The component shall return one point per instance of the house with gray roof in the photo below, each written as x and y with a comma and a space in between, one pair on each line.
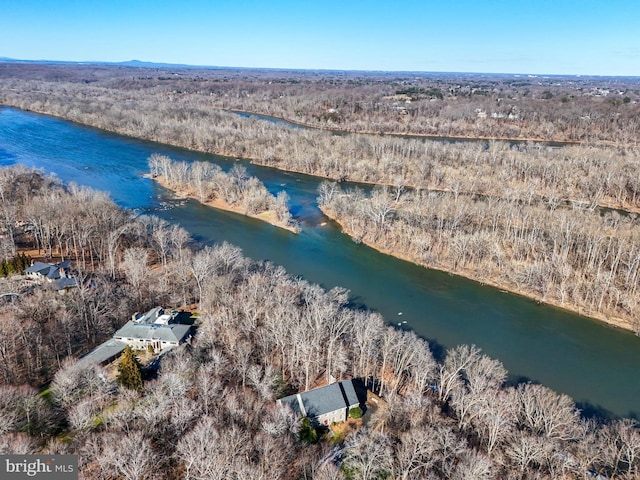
155, 329
48, 271
324, 405
55, 273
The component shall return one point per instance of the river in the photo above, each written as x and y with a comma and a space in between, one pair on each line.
597, 365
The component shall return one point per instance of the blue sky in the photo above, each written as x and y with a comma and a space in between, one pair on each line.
585, 37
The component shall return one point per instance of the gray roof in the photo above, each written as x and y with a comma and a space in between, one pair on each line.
350, 393
169, 333
292, 401
105, 352
48, 270
150, 316
65, 282
323, 400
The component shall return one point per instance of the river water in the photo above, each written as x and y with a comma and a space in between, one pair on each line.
597, 365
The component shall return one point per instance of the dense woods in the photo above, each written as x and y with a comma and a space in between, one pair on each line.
570, 255
581, 109
210, 410
147, 108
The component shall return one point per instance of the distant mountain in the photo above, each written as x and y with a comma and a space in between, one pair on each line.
50, 62
129, 63
139, 63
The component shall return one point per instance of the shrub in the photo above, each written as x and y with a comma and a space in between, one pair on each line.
355, 413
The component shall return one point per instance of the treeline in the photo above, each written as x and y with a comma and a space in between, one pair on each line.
596, 175
208, 182
559, 108
579, 258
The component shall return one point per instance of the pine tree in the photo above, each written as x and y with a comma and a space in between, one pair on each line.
4, 268
21, 261
130, 371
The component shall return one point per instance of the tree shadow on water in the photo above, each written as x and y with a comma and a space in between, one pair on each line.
597, 412
587, 410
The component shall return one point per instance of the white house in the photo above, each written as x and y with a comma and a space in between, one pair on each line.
157, 329
153, 329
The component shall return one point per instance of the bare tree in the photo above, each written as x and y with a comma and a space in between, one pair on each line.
130, 458
545, 412
135, 266
368, 456
414, 454
203, 265
457, 359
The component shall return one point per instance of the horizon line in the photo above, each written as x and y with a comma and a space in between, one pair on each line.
147, 64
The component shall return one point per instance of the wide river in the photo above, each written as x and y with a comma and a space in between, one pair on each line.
597, 365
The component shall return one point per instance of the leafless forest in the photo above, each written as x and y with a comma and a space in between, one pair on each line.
529, 217
236, 189
580, 109
210, 410
568, 255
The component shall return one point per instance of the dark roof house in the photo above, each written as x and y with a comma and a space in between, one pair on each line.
48, 271
324, 405
56, 273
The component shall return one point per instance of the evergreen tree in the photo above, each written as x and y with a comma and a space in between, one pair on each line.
130, 371
21, 262
307, 431
17, 264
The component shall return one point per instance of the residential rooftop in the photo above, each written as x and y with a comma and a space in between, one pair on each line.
331, 401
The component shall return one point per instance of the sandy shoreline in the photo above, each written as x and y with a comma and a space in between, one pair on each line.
615, 322
267, 216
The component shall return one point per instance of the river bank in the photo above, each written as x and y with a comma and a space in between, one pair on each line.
470, 274
285, 163
267, 216
610, 320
